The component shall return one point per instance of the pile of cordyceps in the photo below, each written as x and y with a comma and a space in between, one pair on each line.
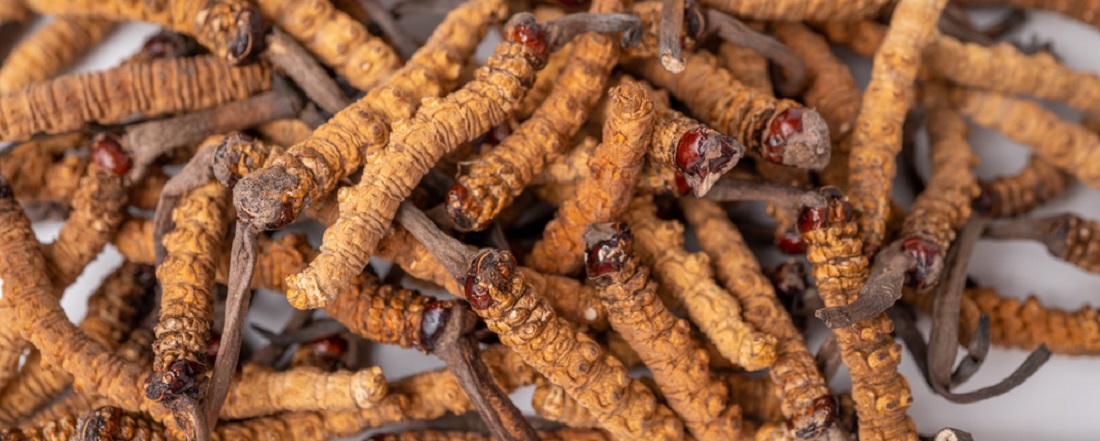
549, 189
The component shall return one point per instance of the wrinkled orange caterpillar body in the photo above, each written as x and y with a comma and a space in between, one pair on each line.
284, 132
416, 144
261, 391
945, 204
338, 40
615, 166
552, 402
50, 49
528, 325
31, 167
678, 363
1036, 184
187, 282
98, 210
112, 310
867, 347
156, 88
798, 10
777, 130
310, 170
799, 385
433, 435
41, 321
229, 28
381, 312
13, 11
876, 139
1027, 324
746, 65
757, 396
492, 181
1067, 236
1068, 146
547, 79
689, 276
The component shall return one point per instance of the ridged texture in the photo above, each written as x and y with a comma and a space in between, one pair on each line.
39, 169
381, 312
528, 325
416, 144
493, 180
678, 363
876, 139
944, 205
1027, 324
49, 50
868, 349
798, 10
1037, 183
432, 435
797, 379
1066, 145
660, 244
338, 40
187, 277
614, 169
97, 212
160, 87
262, 391
112, 310
214, 23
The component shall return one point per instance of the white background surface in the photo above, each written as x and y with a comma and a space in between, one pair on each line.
1061, 402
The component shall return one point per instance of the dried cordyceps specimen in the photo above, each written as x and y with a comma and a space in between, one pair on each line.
876, 137
50, 49
747, 65
96, 215
308, 171
660, 245
284, 132
731, 29
40, 169
1075, 150
1009, 196
166, 44
867, 348
417, 143
780, 131
13, 11
1067, 236
528, 325
801, 387
432, 435
386, 313
111, 423
229, 28
1087, 11
41, 321
261, 391
663, 341
186, 276
70, 102
338, 40
615, 166
112, 310
1027, 324
798, 10
552, 402
62, 429
929, 228
830, 90
491, 182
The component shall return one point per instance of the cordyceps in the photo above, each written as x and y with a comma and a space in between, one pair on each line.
1027, 324
528, 325
1037, 183
1087, 11
867, 348
798, 10
262, 391
780, 131
232, 29
415, 145
50, 49
1067, 236
604, 195
186, 276
917, 257
338, 40
433, 435
275, 196
660, 244
1068, 146
160, 87
876, 138
491, 182
663, 341
112, 313
805, 397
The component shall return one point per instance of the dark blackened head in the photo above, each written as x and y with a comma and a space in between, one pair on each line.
608, 246
463, 210
799, 138
703, 156
433, 321
181, 377
490, 270
103, 423
248, 39
524, 29
929, 261
231, 161
812, 421
266, 198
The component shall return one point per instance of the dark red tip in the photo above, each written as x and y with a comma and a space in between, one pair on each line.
788, 123
460, 206
249, 37
332, 347
498, 133
433, 321
477, 285
689, 152
984, 203
929, 261
822, 414
525, 30
162, 45
791, 243
811, 219
608, 248
107, 152
181, 377
682, 186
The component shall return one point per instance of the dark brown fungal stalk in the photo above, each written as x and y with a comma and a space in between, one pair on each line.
1068, 236
305, 71
735, 31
